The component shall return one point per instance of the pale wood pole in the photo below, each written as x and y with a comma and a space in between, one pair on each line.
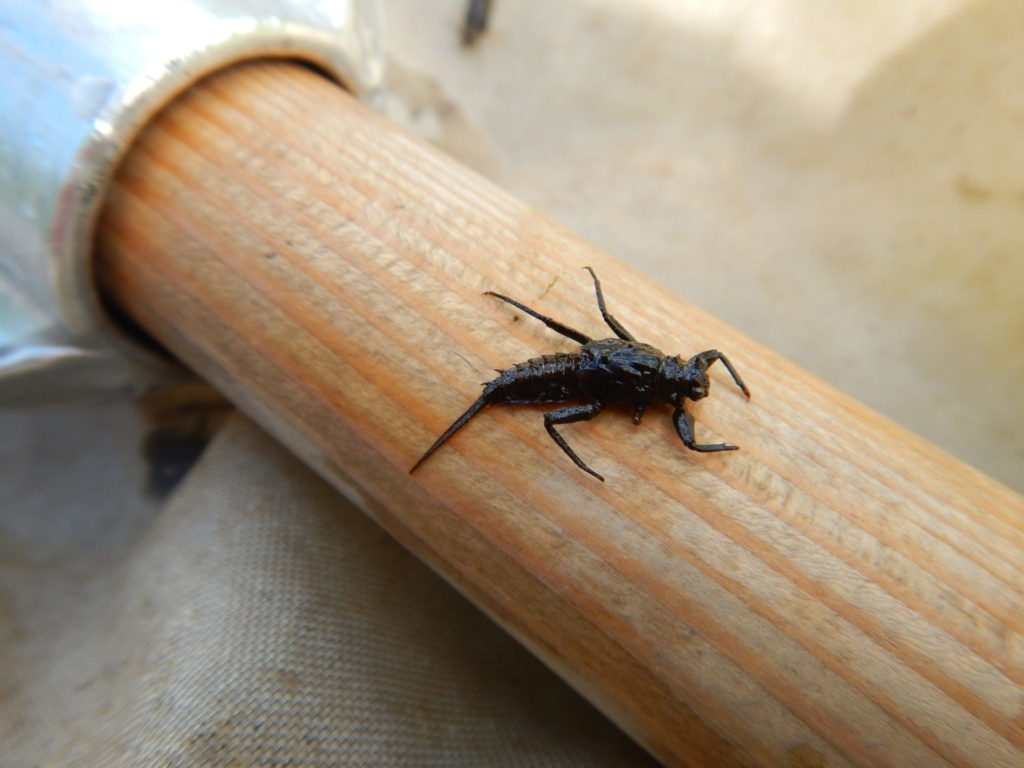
838, 592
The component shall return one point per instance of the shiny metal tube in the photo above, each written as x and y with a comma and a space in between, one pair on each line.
80, 79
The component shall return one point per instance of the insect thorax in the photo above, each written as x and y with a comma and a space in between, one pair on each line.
624, 371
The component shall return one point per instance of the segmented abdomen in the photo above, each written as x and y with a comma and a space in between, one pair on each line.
546, 379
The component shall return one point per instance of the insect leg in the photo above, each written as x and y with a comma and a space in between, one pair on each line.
460, 422
614, 324
713, 354
554, 325
567, 415
684, 426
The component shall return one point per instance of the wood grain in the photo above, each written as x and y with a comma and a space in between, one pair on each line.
838, 592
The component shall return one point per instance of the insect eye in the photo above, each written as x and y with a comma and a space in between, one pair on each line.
699, 387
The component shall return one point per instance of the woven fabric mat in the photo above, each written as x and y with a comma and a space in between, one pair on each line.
254, 617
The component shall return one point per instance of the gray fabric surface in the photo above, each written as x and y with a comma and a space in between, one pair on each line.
254, 617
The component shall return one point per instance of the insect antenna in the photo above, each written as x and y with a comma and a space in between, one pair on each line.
459, 423
711, 355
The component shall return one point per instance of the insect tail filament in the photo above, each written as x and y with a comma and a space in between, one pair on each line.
458, 424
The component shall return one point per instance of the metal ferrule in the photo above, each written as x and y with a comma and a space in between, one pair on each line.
80, 79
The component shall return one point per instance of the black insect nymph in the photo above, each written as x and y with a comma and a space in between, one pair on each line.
620, 370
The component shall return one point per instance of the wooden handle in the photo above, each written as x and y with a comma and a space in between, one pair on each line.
838, 592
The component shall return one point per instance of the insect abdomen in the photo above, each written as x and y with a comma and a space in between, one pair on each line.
546, 379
